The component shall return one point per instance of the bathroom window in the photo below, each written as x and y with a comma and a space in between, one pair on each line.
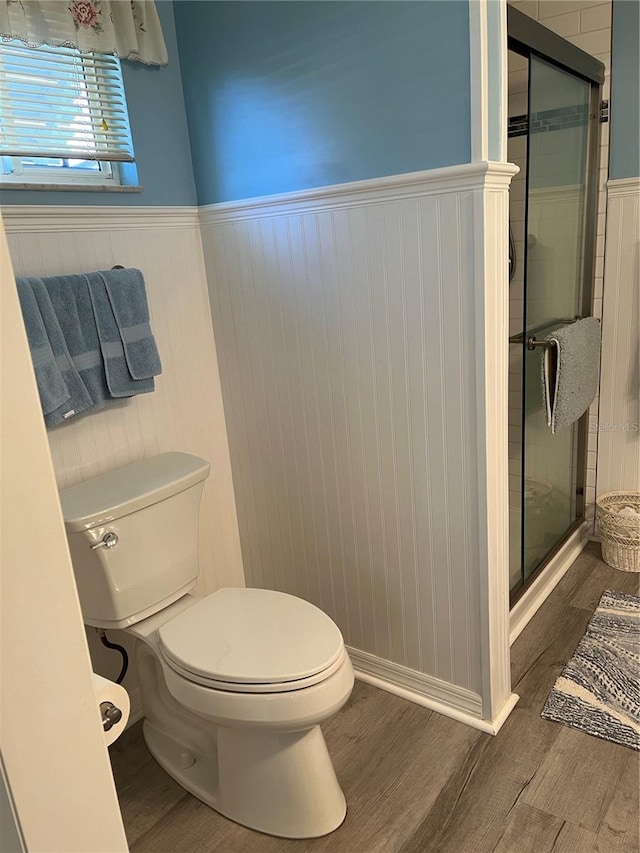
63, 119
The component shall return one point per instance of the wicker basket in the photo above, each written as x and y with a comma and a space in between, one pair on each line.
620, 532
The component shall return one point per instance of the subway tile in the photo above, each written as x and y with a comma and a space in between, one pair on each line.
595, 18
549, 8
601, 223
602, 204
565, 25
528, 7
600, 246
516, 62
599, 269
603, 176
598, 288
597, 308
596, 43
518, 82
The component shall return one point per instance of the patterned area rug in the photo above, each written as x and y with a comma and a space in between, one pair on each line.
599, 689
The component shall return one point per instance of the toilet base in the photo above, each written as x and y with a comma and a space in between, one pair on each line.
279, 783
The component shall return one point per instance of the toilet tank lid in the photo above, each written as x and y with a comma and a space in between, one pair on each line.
125, 490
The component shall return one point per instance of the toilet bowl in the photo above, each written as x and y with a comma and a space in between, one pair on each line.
235, 684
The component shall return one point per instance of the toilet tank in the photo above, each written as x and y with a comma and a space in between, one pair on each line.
152, 507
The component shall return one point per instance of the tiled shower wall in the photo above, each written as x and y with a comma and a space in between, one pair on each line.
587, 24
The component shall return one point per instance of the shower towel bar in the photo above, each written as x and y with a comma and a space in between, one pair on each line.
533, 342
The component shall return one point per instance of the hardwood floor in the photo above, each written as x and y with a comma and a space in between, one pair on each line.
418, 782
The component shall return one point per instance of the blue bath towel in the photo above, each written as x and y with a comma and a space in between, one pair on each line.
52, 388
71, 301
119, 379
128, 297
80, 399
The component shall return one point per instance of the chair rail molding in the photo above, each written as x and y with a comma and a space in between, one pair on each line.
49, 218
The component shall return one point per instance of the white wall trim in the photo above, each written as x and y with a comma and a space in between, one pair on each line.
491, 218
535, 596
623, 186
450, 179
479, 79
504, 80
51, 219
452, 701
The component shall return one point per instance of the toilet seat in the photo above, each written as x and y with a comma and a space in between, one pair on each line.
252, 641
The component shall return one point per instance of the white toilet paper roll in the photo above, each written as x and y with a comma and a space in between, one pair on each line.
115, 694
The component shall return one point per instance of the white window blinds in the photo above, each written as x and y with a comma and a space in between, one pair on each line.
57, 102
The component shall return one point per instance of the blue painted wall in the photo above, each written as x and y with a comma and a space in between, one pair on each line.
624, 151
160, 137
285, 96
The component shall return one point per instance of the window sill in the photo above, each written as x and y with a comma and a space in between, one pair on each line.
82, 188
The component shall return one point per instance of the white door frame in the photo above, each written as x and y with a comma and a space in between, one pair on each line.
59, 783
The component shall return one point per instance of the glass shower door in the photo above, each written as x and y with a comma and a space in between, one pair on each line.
556, 190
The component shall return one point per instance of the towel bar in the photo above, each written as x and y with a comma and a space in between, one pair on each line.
532, 343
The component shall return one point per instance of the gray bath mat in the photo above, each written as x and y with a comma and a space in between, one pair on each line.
599, 689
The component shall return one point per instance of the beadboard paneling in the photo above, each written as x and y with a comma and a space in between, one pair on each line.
347, 336
185, 411
619, 416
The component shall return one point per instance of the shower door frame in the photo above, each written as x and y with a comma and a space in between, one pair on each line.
528, 37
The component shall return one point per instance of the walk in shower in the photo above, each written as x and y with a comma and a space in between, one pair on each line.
554, 114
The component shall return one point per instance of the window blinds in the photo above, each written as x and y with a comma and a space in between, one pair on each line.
57, 102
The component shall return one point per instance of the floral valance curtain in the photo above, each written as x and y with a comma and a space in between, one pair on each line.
129, 29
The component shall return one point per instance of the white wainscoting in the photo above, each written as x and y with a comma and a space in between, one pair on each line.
619, 416
185, 411
354, 327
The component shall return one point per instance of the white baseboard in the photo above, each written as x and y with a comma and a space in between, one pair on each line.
452, 701
535, 596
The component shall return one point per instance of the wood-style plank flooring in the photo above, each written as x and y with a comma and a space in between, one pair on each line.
418, 782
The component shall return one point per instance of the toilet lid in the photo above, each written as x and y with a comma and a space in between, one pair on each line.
251, 636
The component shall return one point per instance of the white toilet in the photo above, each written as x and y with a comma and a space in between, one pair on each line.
234, 685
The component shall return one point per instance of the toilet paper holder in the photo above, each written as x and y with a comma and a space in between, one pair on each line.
111, 715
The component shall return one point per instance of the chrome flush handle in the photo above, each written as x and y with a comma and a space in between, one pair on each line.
109, 540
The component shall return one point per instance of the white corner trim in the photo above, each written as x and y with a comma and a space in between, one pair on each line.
623, 186
504, 80
452, 701
479, 79
50, 218
535, 596
491, 289
449, 179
